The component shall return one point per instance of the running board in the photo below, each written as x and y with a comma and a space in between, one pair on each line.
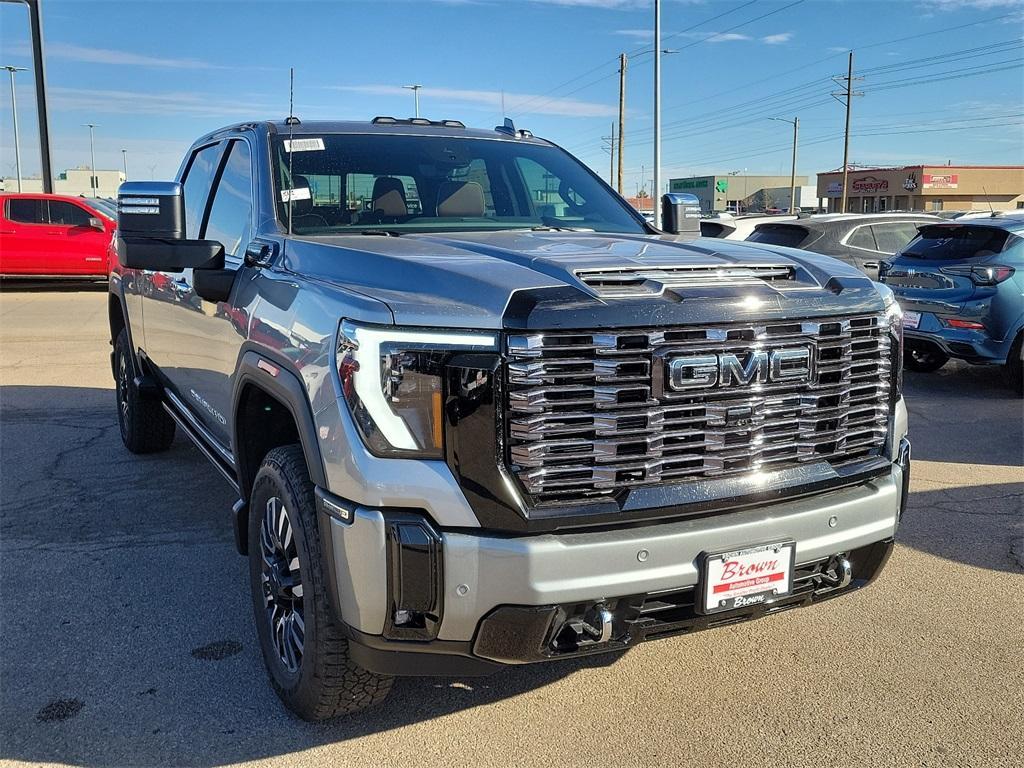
194, 433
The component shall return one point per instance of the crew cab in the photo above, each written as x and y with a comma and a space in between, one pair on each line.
479, 413
54, 236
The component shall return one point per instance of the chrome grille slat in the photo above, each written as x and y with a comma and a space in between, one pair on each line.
585, 419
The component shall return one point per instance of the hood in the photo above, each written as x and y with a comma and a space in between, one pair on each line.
530, 279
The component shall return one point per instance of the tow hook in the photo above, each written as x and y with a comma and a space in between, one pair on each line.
597, 623
837, 575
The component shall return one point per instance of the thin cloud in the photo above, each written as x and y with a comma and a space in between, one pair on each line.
778, 39
977, 5
537, 103
87, 55
118, 102
637, 34
716, 37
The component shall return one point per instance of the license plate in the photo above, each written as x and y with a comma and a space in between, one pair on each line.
744, 577
911, 319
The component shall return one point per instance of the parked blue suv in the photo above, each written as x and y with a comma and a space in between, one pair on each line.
961, 287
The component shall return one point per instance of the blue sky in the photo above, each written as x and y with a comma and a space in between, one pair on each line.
155, 75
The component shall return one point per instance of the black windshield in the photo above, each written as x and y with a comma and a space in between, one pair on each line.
339, 183
954, 241
778, 234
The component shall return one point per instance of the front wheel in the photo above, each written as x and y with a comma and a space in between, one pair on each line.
304, 650
924, 360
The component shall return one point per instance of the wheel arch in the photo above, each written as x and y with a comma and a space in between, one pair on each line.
257, 388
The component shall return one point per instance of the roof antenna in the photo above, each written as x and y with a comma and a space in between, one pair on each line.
291, 121
991, 210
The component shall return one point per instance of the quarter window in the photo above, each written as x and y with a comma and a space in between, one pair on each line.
198, 180
230, 221
862, 238
892, 237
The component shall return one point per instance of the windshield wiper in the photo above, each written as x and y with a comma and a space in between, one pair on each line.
380, 232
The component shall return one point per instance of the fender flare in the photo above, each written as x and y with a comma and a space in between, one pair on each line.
286, 387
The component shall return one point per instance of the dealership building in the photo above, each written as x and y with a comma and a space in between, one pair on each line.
926, 188
751, 194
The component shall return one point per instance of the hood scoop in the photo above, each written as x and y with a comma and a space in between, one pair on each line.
627, 282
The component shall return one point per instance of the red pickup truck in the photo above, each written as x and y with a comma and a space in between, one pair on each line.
54, 236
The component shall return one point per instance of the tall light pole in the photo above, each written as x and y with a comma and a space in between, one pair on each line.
14, 113
92, 155
416, 95
795, 122
657, 114
124, 159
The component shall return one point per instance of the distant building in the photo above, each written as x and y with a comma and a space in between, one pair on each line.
926, 188
73, 182
745, 194
644, 205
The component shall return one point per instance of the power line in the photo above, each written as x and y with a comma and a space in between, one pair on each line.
635, 52
697, 42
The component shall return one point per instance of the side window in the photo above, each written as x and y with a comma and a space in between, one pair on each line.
862, 238
198, 180
230, 221
26, 210
68, 214
892, 237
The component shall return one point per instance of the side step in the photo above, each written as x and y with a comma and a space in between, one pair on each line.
196, 434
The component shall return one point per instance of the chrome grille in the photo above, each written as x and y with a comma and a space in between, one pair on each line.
589, 413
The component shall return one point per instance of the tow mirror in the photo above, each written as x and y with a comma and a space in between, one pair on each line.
151, 230
680, 213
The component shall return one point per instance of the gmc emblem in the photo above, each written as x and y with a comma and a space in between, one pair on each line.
758, 366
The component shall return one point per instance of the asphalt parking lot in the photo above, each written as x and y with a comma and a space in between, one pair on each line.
127, 637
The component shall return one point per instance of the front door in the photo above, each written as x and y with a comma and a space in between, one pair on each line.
195, 343
82, 248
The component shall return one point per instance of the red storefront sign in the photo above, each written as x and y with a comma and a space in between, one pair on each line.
940, 180
869, 184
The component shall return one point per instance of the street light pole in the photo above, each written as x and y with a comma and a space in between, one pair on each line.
92, 155
14, 112
795, 122
416, 95
124, 159
657, 114
622, 116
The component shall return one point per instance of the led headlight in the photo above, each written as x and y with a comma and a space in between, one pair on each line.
894, 317
392, 379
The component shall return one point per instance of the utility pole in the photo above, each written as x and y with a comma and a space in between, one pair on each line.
657, 113
124, 159
416, 95
608, 145
847, 98
14, 112
92, 155
795, 122
622, 116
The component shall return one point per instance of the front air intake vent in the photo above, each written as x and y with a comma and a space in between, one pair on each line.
634, 281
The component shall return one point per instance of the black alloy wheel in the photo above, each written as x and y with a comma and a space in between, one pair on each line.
281, 579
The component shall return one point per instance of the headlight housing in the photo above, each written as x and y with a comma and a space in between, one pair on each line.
894, 316
393, 379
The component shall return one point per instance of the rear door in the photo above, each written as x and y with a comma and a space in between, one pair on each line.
26, 239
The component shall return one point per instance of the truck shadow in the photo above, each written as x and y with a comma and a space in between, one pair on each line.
128, 638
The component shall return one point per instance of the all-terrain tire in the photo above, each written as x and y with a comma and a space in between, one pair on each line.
323, 682
145, 426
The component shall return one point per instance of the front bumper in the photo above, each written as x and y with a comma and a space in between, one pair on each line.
504, 599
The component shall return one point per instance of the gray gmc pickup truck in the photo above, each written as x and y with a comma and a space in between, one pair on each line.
479, 413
